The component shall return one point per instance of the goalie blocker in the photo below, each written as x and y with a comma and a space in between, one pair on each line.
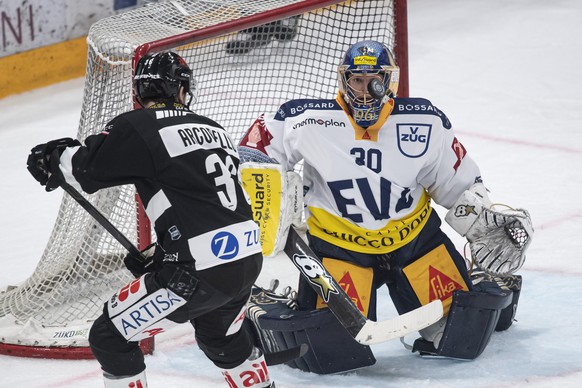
276, 198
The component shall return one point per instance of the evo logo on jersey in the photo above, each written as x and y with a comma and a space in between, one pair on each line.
413, 139
349, 194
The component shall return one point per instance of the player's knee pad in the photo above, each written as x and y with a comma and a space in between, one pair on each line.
472, 318
138, 309
277, 327
229, 351
117, 356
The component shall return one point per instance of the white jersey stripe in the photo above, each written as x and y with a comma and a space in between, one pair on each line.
157, 206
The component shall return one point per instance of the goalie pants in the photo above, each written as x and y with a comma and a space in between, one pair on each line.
388, 268
220, 295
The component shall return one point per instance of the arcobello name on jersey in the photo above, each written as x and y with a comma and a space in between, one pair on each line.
181, 139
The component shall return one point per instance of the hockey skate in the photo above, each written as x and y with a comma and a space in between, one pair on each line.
251, 373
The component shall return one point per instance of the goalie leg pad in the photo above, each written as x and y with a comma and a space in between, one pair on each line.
508, 314
472, 318
331, 349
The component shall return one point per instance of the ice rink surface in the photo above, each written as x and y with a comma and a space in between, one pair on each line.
508, 76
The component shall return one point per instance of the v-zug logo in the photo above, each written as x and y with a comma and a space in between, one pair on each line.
413, 139
225, 245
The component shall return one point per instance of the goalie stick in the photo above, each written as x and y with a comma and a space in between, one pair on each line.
362, 329
274, 358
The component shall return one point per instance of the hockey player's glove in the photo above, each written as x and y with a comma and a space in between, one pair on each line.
498, 237
141, 265
43, 162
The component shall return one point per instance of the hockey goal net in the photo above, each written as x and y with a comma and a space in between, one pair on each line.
287, 49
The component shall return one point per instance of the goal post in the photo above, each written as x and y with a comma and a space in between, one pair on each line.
284, 49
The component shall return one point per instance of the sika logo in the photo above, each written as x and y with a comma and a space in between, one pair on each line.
132, 288
347, 283
441, 286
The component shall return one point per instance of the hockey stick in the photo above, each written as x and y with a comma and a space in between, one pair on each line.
103, 221
287, 355
362, 329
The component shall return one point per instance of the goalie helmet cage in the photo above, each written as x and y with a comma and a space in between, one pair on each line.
292, 50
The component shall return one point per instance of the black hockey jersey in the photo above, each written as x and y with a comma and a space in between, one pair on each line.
184, 167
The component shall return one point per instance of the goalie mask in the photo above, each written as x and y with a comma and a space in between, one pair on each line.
159, 77
368, 78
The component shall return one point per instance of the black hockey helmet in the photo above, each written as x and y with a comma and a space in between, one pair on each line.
159, 76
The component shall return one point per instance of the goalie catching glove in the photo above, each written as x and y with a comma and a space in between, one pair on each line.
498, 238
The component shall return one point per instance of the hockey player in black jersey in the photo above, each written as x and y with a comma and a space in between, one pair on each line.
208, 255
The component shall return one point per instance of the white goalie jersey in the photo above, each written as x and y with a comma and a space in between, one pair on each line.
366, 189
